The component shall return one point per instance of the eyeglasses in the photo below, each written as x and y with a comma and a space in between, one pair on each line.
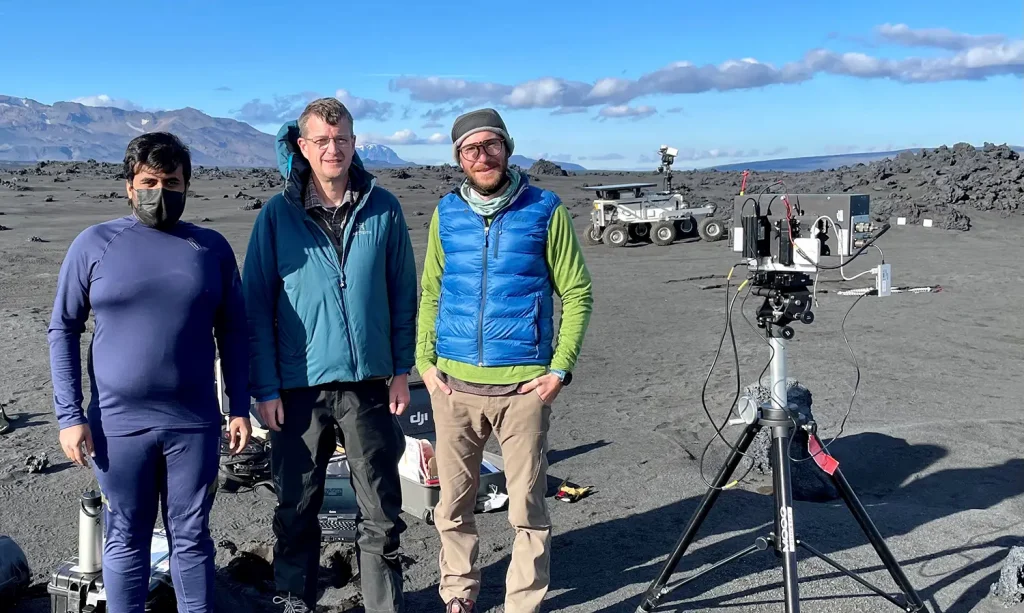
322, 141
472, 152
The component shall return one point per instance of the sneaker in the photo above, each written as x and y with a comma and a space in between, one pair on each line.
291, 604
459, 605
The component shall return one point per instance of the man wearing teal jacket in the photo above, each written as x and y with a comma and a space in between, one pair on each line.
330, 293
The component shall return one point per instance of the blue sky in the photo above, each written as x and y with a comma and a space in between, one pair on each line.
601, 83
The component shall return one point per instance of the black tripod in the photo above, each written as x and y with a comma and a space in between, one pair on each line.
787, 299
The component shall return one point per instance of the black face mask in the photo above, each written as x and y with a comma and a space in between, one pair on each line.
159, 208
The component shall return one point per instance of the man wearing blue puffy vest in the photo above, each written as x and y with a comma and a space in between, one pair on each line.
498, 251
330, 291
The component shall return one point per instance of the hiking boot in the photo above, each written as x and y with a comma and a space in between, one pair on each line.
459, 605
292, 604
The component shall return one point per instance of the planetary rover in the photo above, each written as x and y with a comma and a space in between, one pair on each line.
629, 212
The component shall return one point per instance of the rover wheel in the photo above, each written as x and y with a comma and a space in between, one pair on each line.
663, 233
592, 235
712, 229
615, 235
686, 226
640, 232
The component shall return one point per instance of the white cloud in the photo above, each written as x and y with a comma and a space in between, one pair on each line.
626, 111
289, 107
941, 38
446, 89
364, 108
569, 110
977, 57
605, 157
717, 153
103, 100
282, 109
560, 157
404, 137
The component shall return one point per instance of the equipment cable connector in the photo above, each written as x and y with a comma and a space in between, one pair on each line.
883, 279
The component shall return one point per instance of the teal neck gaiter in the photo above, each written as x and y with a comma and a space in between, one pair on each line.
487, 208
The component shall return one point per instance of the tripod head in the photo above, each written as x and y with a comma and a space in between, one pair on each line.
787, 298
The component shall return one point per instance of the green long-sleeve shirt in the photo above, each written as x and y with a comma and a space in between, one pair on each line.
571, 281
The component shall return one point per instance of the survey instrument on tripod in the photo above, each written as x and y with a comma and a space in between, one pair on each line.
786, 289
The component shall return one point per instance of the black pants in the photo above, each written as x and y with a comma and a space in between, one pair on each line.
300, 452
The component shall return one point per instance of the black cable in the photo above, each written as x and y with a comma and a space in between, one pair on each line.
856, 365
757, 206
703, 395
728, 328
864, 248
745, 202
771, 391
771, 357
856, 385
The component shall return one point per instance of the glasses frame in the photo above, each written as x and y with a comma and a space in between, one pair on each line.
339, 141
497, 144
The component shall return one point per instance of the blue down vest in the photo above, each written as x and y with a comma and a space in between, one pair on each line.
496, 306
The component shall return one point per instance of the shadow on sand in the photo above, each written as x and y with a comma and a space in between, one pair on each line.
591, 563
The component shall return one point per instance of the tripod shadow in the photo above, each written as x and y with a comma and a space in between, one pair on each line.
877, 465
19, 421
599, 563
557, 455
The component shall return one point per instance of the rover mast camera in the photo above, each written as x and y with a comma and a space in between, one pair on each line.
668, 155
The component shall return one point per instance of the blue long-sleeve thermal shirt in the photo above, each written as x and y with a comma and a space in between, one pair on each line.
164, 303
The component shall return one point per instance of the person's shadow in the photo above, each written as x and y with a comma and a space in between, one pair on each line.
601, 565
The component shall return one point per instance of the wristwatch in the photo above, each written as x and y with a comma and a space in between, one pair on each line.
563, 375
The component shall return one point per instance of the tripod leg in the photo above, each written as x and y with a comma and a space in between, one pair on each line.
655, 592
861, 515
785, 541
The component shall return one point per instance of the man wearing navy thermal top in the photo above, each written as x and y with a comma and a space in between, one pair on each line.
166, 296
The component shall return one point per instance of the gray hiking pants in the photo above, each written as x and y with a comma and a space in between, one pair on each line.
300, 453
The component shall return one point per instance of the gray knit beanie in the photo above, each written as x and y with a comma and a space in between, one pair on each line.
479, 120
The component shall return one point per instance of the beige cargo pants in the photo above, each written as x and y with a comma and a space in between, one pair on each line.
463, 422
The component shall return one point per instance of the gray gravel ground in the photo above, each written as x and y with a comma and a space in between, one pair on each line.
932, 445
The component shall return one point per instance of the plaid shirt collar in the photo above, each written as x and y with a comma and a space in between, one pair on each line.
312, 199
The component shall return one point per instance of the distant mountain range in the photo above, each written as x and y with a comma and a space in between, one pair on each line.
374, 155
31, 131
819, 162
68, 131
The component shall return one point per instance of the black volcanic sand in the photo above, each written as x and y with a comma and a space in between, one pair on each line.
934, 455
